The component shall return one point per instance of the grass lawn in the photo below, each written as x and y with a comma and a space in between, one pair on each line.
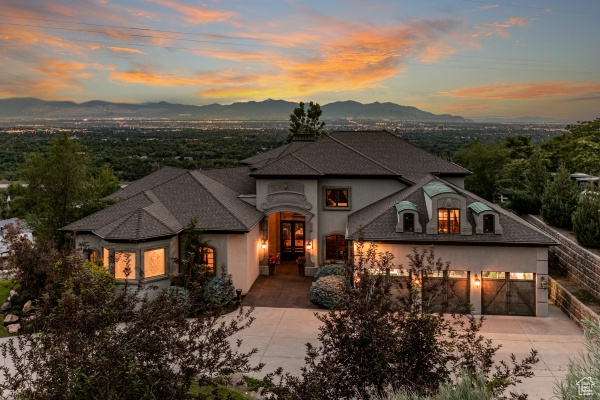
222, 390
5, 287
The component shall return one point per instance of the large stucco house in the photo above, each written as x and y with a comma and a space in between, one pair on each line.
312, 198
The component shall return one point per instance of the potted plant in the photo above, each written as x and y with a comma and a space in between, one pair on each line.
301, 261
272, 262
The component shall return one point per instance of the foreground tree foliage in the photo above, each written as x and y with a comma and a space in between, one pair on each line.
559, 199
102, 341
306, 121
586, 218
63, 186
584, 366
387, 338
524, 181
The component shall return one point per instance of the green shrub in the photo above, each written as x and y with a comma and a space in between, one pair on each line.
560, 199
586, 219
330, 269
329, 291
219, 290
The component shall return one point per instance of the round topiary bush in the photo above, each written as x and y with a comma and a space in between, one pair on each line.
330, 269
329, 291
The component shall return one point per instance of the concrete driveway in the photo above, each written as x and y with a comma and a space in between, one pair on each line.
280, 335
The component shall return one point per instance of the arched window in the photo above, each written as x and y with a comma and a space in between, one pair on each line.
409, 222
448, 220
336, 247
208, 258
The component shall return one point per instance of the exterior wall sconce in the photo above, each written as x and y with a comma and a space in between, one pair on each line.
543, 282
264, 244
309, 246
477, 281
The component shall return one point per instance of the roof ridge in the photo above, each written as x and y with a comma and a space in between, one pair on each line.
157, 203
123, 219
305, 163
364, 155
181, 170
213, 195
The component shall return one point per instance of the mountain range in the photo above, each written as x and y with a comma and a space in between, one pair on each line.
252, 110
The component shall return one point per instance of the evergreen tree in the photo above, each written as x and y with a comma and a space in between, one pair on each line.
524, 183
306, 121
586, 218
560, 199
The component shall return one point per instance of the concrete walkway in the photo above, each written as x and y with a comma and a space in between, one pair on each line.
280, 335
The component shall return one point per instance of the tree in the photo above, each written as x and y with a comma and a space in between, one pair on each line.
578, 148
97, 342
306, 122
520, 146
386, 336
524, 181
560, 199
484, 160
63, 186
586, 218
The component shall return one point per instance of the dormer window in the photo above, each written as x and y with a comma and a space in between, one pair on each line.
449, 220
409, 222
488, 223
486, 219
408, 218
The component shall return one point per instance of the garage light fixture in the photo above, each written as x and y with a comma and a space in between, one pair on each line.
477, 281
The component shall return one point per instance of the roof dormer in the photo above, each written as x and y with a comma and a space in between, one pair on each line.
446, 209
408, 217
486, 219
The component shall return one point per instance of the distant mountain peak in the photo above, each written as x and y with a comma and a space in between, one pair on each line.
269, 109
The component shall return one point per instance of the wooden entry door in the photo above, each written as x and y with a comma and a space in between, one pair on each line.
508, 293
292, 240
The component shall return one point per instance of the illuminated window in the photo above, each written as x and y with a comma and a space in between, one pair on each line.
208, 258
154, 263
124, 265
449, 220
493, 275
105, 257
488, 223
336, 247
409, 222
336, 198
92, 255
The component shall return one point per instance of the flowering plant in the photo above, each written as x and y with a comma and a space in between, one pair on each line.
301, 260
272, 260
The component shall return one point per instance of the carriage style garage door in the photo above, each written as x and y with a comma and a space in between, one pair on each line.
509, 293
448, 295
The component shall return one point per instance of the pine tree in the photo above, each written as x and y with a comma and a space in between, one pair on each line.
560, 199
586, 218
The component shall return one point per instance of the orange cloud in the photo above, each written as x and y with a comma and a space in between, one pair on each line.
500, 28
125, 50
197, 15
524, 91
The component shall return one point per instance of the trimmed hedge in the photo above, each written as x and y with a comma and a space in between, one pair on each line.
330, 269
329, 291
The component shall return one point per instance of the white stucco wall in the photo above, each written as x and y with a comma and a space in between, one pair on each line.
476, 259
243, 252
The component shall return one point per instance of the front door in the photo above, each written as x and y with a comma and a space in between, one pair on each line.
292, 240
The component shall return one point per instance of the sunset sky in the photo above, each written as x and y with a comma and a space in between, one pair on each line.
464, 57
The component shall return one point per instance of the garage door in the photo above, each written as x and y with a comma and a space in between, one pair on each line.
447, 291
508, 293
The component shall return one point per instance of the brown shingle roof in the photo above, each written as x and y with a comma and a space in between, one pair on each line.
378, 222
168, 207
353, 153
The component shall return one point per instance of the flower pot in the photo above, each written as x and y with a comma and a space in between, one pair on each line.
301, 268
271, 268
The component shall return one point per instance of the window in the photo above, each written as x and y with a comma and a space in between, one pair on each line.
124, 265
208, 258
154, 263
488, 223
93, 255
336, 198
409, 222
336, 247
105, 257
448, 220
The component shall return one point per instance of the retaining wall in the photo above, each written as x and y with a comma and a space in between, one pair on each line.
574, 308
582, 265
